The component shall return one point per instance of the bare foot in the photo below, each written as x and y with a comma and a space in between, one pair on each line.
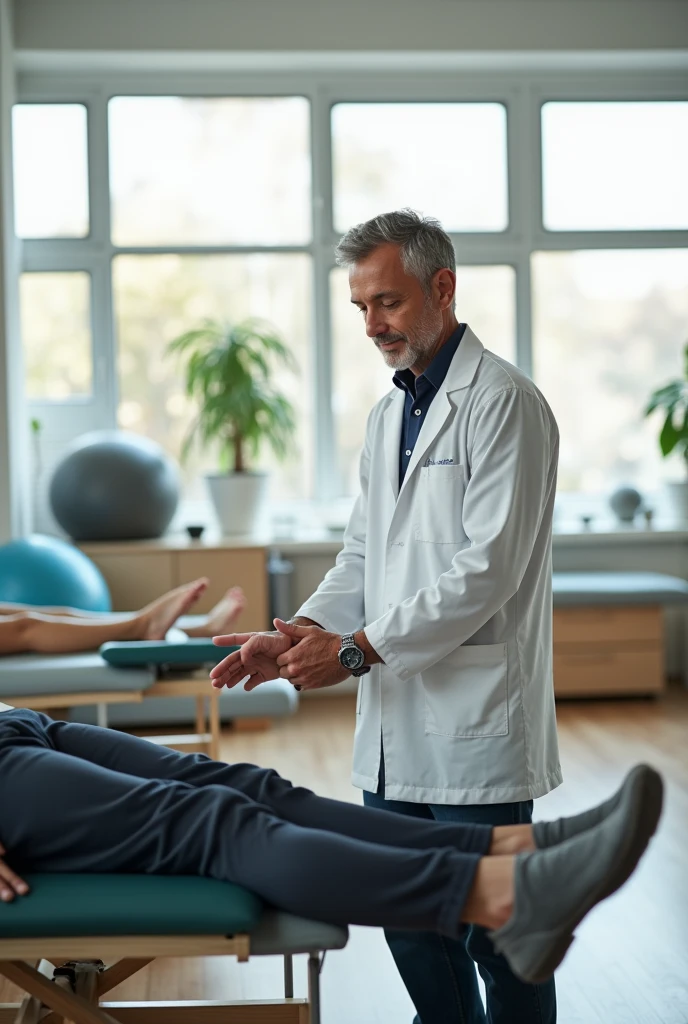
161, 614
222, 617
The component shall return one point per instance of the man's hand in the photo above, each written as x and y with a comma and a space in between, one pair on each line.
256, 657
310, 662
10, 883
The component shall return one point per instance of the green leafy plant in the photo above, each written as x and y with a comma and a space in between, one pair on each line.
229, 371
672, 399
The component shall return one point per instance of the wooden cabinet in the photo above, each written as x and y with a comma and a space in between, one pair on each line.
611, 651
139, 571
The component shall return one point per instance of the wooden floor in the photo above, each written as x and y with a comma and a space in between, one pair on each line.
629, 964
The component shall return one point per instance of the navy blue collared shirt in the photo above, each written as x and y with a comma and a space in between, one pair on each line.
420, 392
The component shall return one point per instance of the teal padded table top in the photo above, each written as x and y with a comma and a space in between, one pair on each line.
586, 588
193, 651
74, 905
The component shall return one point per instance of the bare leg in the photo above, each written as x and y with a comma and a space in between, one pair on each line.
35, 631
222, 617
508, 840
490, 900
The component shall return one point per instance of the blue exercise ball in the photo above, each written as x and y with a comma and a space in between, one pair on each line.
43, 570
112, 485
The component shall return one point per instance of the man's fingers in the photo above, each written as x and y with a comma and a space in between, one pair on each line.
226, 665
290, 629
230, 679
231, 639
255, 680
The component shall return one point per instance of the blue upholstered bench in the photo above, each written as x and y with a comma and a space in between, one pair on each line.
608, 631
71, 925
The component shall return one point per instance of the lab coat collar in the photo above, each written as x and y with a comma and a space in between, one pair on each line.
460, 374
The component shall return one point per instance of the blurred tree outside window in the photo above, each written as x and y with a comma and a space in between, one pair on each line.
608, 327
55, 310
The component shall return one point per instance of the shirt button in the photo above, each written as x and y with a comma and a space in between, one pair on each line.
408, 451
417, 412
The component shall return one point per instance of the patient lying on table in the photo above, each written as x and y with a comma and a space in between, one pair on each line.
75, 798
25, 628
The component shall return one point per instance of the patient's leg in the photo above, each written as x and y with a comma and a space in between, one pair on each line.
33, 630
123, 753
65, 814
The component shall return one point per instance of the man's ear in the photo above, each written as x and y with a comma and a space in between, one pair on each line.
445, 283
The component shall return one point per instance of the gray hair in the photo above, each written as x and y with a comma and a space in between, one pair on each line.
425, 245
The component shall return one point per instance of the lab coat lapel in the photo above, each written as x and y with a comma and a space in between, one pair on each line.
437, 415
393, 419
460, 375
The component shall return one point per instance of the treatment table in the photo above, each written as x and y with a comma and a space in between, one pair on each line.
75, 937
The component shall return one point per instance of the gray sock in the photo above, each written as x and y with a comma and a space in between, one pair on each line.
555, 888
550, 833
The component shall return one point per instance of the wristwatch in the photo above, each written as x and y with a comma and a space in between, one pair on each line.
351, 657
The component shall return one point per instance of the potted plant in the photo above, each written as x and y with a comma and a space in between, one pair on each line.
672, 399
229, 371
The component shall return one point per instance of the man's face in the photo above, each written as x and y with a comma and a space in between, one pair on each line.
402, 320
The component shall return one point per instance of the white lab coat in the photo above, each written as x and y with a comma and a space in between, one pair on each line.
451, 576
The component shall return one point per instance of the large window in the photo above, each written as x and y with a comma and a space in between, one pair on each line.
221, 175
232, 171
224, 196
50, 170
444, 158
615, 166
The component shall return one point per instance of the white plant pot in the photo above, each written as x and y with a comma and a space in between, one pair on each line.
238, 499
677, 503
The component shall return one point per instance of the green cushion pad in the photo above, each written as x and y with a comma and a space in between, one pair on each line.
194, 651
62, 904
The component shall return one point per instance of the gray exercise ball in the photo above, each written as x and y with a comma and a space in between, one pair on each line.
112, 485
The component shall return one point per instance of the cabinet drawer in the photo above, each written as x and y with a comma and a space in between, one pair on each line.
607, 624
612, 671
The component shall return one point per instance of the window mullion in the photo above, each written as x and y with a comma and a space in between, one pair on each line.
327, 483
106, 384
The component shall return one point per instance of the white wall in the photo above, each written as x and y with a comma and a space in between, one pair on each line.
358, 25
13, 508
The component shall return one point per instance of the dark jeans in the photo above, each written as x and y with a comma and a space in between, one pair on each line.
76, 798
439, 972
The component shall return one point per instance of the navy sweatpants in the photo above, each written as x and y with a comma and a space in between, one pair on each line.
76, 798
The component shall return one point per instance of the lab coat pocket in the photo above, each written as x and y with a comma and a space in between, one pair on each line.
466, 693
438, 505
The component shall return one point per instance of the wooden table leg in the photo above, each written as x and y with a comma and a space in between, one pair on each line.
214, 723
201, 728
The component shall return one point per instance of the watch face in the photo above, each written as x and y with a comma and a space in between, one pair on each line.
351, 657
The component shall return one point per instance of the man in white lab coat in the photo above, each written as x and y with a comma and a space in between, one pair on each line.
441, 597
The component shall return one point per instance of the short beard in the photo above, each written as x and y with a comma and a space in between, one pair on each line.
419, 341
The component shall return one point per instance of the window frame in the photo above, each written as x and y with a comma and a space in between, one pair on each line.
522, 91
